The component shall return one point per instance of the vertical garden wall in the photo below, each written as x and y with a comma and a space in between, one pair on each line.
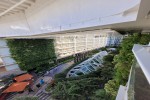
32, 53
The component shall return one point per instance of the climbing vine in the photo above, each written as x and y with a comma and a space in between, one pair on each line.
32, 53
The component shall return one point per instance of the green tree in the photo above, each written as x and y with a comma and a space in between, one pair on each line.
108, 58
111, 88
145, 39
76, 89
26, 98
99, 94
66, 91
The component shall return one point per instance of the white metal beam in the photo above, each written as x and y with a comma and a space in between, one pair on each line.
16, 5
30, 1
25, 4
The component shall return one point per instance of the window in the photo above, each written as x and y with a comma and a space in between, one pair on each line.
79, 73
96, 61
90, 68
84, 69
1, 62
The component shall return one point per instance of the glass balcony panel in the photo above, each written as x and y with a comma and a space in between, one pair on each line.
139, 88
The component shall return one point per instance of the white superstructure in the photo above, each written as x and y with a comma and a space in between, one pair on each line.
46, 17
70, 44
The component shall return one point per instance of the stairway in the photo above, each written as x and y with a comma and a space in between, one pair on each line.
11, 96
43, 96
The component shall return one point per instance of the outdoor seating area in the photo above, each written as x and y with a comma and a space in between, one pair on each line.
19, 84
24, 77
17, 87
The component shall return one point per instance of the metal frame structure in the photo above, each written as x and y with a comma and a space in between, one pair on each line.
88, 66
8, 7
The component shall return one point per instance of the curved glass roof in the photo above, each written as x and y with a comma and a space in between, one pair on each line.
88, 66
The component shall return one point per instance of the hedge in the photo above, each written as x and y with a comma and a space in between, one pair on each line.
26, 98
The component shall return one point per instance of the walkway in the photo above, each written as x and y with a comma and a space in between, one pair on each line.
41, 94
59, 69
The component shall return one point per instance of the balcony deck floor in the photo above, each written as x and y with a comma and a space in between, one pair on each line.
142, 87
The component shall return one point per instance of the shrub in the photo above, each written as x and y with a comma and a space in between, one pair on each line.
108, 58
123, 62
100, 94
76, 89
26, 98
66, 59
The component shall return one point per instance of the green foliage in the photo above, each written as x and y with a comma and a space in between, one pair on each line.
95, 51
76, 89
107, 72
111, 88
103, 49
92, 52
124, 59
145, 39
108, 58
26, 98
123, 62
84, 86
66, 59
32, 53
100, 94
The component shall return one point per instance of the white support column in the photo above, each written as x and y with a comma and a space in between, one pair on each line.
86, 42
75, 44
93, 41
99, 41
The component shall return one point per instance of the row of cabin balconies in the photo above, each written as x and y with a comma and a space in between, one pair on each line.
88, 38
81, 40
65, 43
71, 51
79, 46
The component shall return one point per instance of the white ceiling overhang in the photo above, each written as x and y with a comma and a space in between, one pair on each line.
8, 7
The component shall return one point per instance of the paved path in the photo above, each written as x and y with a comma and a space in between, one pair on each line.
59, 69
46, 96
43, 95
11, 96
